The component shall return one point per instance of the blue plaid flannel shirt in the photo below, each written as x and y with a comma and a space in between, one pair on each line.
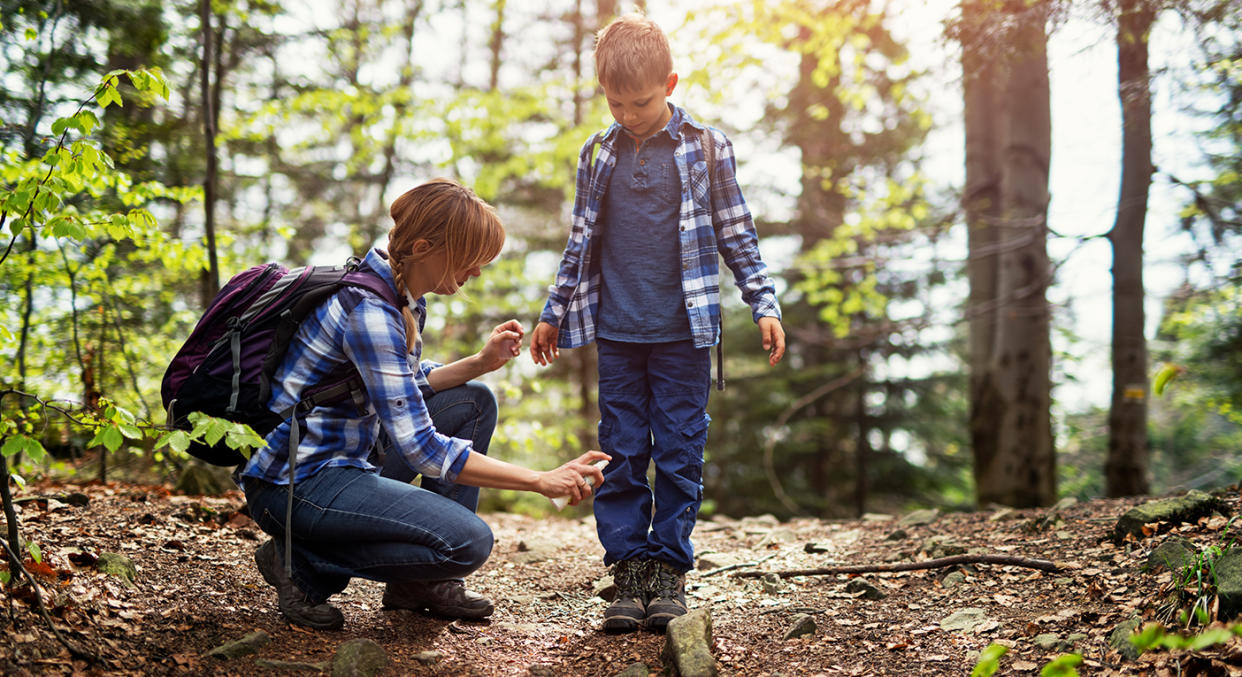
358, 326
713, 219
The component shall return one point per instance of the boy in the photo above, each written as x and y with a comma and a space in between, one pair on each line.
640, 277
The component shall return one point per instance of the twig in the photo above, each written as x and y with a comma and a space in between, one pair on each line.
1007, 560
738, 565
16, 563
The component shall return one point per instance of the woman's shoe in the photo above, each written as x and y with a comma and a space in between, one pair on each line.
291, 600
444, 598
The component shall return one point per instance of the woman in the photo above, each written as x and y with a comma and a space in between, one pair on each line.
350, 518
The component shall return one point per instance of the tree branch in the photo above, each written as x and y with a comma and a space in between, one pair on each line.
939, 563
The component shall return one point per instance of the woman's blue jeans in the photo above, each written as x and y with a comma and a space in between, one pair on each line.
351, 523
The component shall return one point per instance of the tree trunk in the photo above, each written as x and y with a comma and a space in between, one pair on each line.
211, 277
1125, 471
1008, 132
981, 203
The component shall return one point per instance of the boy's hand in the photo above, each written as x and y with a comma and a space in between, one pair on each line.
543, 344
504, 344
773, 338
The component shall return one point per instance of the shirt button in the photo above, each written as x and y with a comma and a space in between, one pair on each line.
689, 304
642, 163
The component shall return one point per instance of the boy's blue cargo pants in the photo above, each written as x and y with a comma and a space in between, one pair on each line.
653, 407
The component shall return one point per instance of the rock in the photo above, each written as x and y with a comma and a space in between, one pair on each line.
243, 647
1119, 638
941, 546
801, 626
605, 588
952, 580
772, 584
1175, 553
359, 658
292, 666
77, 499
200, 479
116, 564
688, 645
919, 517
817, 548
533, 551
965, 620
429, 657
716, 560
540, 670
634, 670
1005, 513
876, 517
864, 589
1188, 508
1047, 641
897, 535
1064, 504
1229, 582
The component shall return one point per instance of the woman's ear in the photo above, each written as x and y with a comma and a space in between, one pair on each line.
420, 249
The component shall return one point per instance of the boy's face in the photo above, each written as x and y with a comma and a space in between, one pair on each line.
642, 112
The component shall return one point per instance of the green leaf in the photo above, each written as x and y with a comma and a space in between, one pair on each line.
1210, 637
216, 430
1163, 377
109, 437
1062, 666
13, 445
36, 553
989, 660
4, 576
130, 431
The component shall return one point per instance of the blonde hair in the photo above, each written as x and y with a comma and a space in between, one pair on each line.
632, 53
451, 218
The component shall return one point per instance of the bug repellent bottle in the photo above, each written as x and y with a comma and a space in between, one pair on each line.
561, 501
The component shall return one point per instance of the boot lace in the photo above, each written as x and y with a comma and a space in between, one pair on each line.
667, 582
630, 577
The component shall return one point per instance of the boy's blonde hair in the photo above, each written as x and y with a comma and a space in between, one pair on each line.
631, 53
451, 218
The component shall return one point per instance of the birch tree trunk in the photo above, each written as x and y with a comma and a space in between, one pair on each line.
1125, 471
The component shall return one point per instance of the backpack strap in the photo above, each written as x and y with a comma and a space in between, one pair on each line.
708, 144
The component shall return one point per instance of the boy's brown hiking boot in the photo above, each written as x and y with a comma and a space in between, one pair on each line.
668, 596
627, 611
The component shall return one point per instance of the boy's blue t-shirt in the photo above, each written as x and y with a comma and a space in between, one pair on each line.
639, 260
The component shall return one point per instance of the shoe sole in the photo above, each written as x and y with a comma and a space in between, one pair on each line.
456, 613
620, 625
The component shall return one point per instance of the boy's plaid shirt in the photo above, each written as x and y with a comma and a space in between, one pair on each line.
719, 222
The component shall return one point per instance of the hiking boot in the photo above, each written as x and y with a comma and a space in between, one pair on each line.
627, 611
290, 598
444, 598
668, 596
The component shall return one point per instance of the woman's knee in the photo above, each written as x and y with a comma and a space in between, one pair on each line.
484, 399
474, 546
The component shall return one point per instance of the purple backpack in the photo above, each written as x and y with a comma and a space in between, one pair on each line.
225, 367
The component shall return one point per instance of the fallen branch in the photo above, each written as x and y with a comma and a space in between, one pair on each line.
739, 565
1006, 560
16, 563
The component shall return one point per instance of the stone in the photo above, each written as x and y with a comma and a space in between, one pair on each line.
605, 588
919, 517
359, 658
817, 548
116, 564
1229, 582
1175, 553
429, 657
801, 625
688, 645
1119, 638
952, 580
1188, 508
77, 499
1003, 514
897, 535
200, 479
1065, 503
634, 670
863, 588
540, 670
242, 647
965, 620
1048, 641
876, 517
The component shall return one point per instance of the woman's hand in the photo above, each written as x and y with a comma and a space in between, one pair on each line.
570, 479
504, 344
543, 347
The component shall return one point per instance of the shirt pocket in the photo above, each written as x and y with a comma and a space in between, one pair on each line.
700, 185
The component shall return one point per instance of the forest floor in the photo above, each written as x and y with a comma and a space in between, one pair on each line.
197, 588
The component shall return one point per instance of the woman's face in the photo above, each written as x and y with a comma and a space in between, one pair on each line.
433, 274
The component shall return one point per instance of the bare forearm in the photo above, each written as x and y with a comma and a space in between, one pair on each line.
455, 373
481, 470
